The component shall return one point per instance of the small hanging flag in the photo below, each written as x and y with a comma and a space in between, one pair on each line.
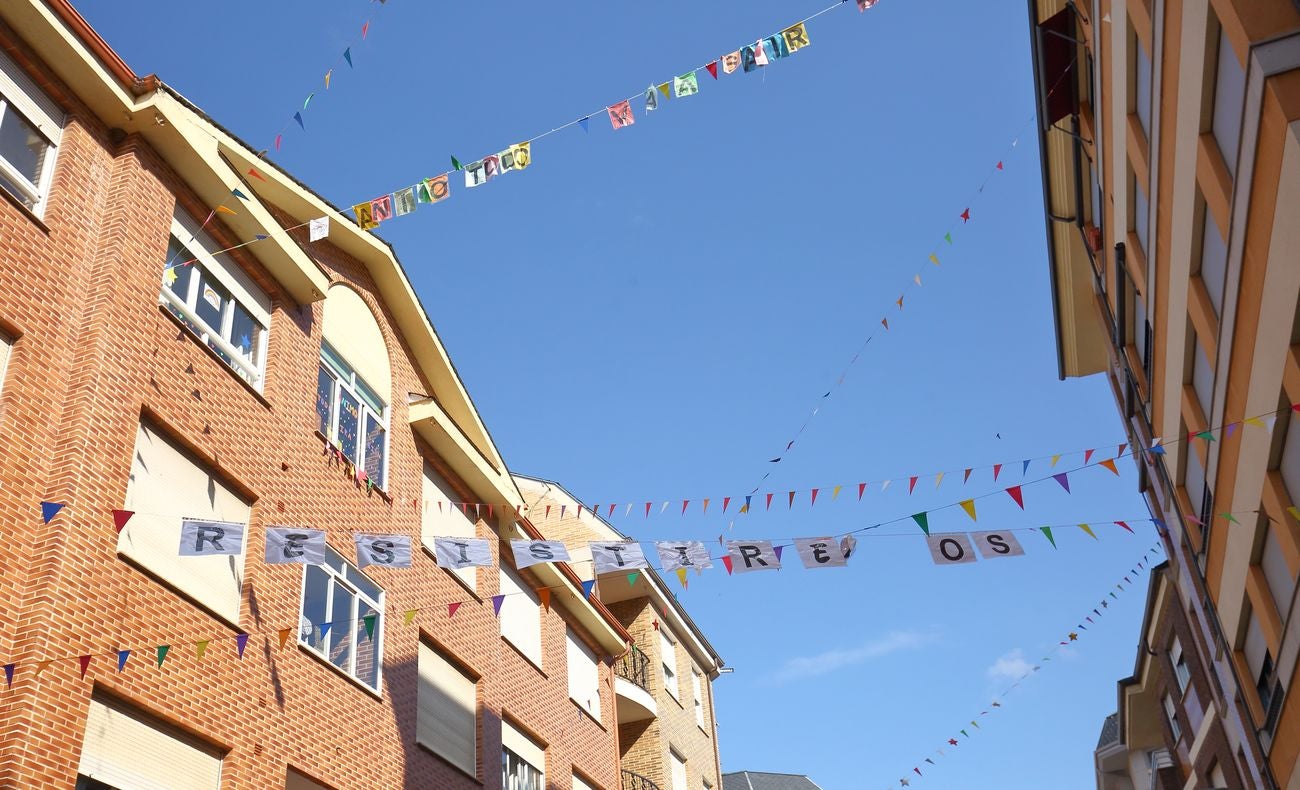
796, 37
861, 487
726, 500
791, 504
327, 78
1014, 492
1109, 463
769, 501
120, 517
726, 560
42, 665
241, 642
651, 98
759, 54
9, 675
298, 117
1232, 428
1231, 519
283, 635
369, 622
307, 100
279, 138
1087, 456
1295, 512
544, 593
1088, 530
497, 600
1064, 479
934, 259
938, 479
911, 483
347, 55
686, 85
1024, 469
731, 62
947, 237
713, 69
917, 278
1125, 526
1055, 458
1206, 435
923, 521
966, 477
620, 115
85, 664
1120, 452
997, 470
225, 210
1257, 422
835, 492
1048, 532
318, 229
885, 485
681, 577
162, 652
885, 322
365, 29
587, 588
965, 216
585, 123
122, 656
863, 5
900, 301
239, 194
50, 509
969, 506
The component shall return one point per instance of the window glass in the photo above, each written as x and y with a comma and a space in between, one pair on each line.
1142, 76
1214, 261
341, 621
1171, 715
324, 401
315, 607
31, 126
376, 447
1281, 582
1141, 211
349, 422
516, 774
21, 145
1229, 101
1290, 464
1203, 380
246, 334
351, 415
368, 657
669, 660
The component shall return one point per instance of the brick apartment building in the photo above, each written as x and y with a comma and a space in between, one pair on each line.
1170, 142
664, 687
287, 382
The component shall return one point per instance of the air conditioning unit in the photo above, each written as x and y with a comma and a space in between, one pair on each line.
1093, 235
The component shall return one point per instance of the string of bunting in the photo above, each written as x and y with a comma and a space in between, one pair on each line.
1069, 639
292, 546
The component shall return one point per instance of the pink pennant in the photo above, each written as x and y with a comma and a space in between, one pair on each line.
452, 607
999, 164
685, 504
1014, 491
769, 501
1087, 456
365, 29
647, 510
726, 500
1120, 452
610, 513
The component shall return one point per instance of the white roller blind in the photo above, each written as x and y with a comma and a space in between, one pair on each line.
447, 716
445, 521
521, 620
581, 784
523, 747
668, 656
584, 675
1229, 100
1203, 381
296, 781
38, 108
5, 345
1281, 583
165, 486
124, 748
1256, 647
679, 771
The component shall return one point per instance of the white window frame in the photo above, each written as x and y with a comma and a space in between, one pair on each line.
697, 686
1181, 672
367, 411
1171, 715
241, 288
667, 650
352, 621
19, 94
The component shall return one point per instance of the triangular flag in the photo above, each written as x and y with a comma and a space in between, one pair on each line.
297, 117
455, 164
911, 483
917, 278
999, 164
42, 665
496, 604
587, 588
1056, 458
1087, 456
347, 55
727, 562
947, 237
201, 647
1125, 526
997, 470
885, 485
647, 509
814, 497
85, 664
284, 633
1231, 519
369, 622
769, 501
241, 642
969, 506
713, 69
923, 521
328, 74
279, 138
1120, 452
966, 477
1088, 530
162, 653
452, 607
1048, 532
632, 577
585, 123
791, 505
365, 29
1014, 492
239, 194
224, 210
777, 551
544, 594
726, 500
1257, 422
9, 675
1206, 435
965, 216
885, 322
835, 492
1025, 468
1064, 479
705, 505
122, 656
967, 734
938, 479
1295, 512
861, 487
1109, 463
407, 616
120, 517
934, 259
681, 576
49, 510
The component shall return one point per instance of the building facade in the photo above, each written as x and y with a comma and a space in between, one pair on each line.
150, 374
663, 686
1170, 142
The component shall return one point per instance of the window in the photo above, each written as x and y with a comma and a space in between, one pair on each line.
1218, 781
697, 686
1142, 86
520, 616
343, 618
1141, 217
1229, 102
584, 675
679, 770
1194, 478
296, 780
447, 710
167, 484
668, 654
1203, 380
582, 784
352, 416
1260, 663
1171, 715
446, 520
1142, 334
1214, 260
125, 747
1281, 582
1181, 672
216, 300
5, 346
523, 761
31, 125
1289, 465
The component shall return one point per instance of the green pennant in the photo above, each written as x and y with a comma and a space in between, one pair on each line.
369, 621
162, 653
1048, 532
455, 163
1230, 518
1113, 595
631, 577
947, 237
923, 521
1206, 435
967, 734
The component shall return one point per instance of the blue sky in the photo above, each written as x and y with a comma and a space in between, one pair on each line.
650, 314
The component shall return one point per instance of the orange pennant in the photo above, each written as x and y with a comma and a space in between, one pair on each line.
1109, 463
545, 594
284, 636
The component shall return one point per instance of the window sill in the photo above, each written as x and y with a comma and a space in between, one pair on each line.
587, 713
449, 763
384, 495
31, 215
321, 659
701, 726
525, 657
198, 341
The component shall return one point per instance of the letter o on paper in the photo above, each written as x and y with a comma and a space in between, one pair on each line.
951, 549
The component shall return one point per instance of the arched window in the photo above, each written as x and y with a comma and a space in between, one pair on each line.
354, 384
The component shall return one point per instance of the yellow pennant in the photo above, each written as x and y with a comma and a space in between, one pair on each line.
666, 90
202, 647
327, 78
1055, 458
934, 259
1257, 422
938, 479
284, 636
681, 576
835, 492
1088, 530
170, 275
409, 616
969, 506
224, 210
1295, 512
41, 666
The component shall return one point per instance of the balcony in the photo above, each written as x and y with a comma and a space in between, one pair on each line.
635, 781
632, 686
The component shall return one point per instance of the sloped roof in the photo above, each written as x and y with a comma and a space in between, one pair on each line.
762, 780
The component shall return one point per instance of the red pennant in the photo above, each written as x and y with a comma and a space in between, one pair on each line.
647, 510
1125, 526
85, 664
611, 511
1120, 451
579, 510
451, 609
999, 164
464, 509
548, 512
544, 594
966, 477
726, 500
997, 470
1109, 463
911, 483
791, 500
1087, 456
885, 322
1014, 491
769, 501
279, 138
685, 504
491, 516
814, 497
706, 506
713, 69
727, 561
120, 517
253, 172
861, 487
365, 29
965, 216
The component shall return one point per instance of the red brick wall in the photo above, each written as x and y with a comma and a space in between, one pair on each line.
93, 352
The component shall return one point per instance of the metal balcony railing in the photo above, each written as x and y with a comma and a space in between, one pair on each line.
635, 781
634, 666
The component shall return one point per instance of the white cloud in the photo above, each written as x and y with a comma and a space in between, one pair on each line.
831, 660
1009, 666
